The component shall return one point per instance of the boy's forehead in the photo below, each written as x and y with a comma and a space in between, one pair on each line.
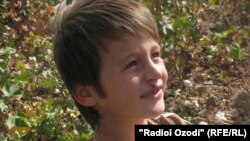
111, 42
127, 44
124, 39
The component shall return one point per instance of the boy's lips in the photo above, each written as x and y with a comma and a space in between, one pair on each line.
155, 92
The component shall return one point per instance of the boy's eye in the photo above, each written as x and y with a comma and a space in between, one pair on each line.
131, 64
156, 54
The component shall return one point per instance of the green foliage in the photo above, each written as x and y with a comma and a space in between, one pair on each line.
212, 2
68, 1
34, 104
234, 51
203, 40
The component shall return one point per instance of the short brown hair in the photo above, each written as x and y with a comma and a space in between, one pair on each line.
79, 38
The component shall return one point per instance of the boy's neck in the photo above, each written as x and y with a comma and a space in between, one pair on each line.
117, 129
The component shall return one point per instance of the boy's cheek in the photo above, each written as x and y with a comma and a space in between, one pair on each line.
165, 75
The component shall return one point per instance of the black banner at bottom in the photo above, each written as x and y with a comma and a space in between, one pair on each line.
204, 132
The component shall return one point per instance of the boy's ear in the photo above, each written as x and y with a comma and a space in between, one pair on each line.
84, 95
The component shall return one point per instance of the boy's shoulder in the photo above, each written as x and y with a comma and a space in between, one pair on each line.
168, 119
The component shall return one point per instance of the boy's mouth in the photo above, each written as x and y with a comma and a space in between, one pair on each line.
155, 92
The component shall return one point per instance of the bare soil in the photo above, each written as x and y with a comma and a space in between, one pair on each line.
232, 99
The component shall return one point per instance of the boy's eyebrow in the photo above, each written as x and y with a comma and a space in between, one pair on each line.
126, 56
134, 53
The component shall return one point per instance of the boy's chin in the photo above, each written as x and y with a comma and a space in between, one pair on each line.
160, 109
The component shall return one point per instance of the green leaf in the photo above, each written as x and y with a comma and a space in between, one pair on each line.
63, 138
3, 106
21, 122
18, 120
6, 51
10, 90
217, 37
31, 34
23, 77
1, 71
47, 82
214, 51
68, 2
192, 28
20, 65
221, 76
11, 121
38, 71
181, 23
234, 51
232, 29
212, 2
3, 138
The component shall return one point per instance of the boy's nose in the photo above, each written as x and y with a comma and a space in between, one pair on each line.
153, 71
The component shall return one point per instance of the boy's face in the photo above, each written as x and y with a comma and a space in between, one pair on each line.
133, 77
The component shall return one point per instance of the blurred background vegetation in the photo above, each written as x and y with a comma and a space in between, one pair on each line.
205, 43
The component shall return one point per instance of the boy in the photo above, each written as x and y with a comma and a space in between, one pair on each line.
108, 54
